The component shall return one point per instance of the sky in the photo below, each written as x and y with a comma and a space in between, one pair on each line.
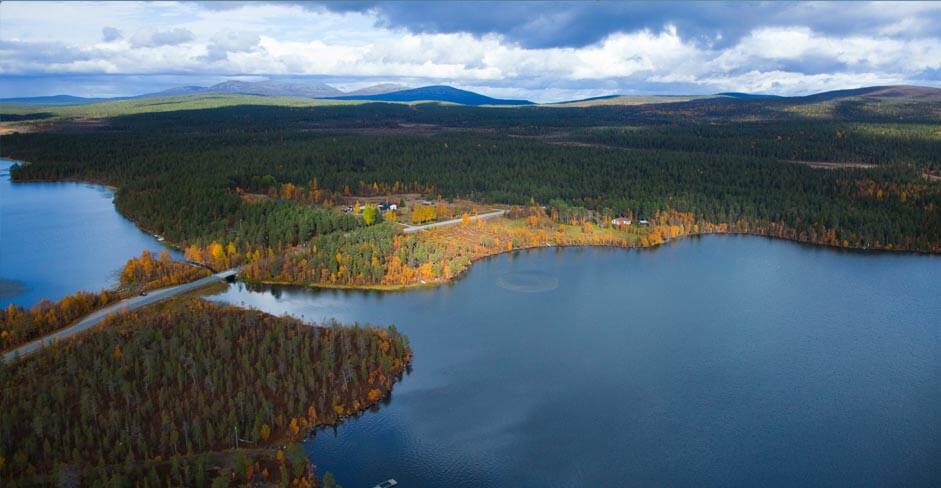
543, 51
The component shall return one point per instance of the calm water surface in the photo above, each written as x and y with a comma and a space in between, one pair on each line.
721, 361
58, 238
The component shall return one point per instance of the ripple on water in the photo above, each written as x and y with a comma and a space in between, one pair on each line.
11, 288
531, 281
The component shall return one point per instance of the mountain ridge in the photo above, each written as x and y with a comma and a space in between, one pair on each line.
437, 93
390, 92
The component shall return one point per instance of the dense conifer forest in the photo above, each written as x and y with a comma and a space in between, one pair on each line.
191, 181
149, 390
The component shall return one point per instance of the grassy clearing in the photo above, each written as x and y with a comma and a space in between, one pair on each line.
629, 100
167, 104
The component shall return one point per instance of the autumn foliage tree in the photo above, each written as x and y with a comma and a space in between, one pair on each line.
145, 272
371, 214
423, 213
19, 325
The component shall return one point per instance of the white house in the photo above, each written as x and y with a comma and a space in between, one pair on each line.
621, 221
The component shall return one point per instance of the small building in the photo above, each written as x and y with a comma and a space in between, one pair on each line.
621, 221
644, 222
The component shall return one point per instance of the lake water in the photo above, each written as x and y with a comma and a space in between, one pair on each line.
59, 238
721, 361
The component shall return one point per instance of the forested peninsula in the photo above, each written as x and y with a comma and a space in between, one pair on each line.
187, 393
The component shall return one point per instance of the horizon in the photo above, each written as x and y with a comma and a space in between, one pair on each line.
556, 52
349, 89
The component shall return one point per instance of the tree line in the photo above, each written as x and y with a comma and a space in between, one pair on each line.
380, 256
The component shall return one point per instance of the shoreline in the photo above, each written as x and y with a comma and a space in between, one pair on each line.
457, 276
460, 275
113, 189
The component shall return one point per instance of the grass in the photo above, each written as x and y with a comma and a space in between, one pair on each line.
630, 100
114, 108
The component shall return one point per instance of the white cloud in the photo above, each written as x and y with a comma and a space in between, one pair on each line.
227, 42
866, 53
280, 39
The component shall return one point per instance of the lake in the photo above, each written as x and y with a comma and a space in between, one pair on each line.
59, 238
718, 361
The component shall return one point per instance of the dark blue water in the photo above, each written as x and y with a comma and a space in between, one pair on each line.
58, 238
722, 361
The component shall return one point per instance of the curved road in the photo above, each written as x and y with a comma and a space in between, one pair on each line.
415, 228
125, 305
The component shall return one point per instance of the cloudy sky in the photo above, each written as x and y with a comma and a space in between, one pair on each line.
541, 51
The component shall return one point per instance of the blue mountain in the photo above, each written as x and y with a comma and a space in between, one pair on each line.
436, 93
51, 100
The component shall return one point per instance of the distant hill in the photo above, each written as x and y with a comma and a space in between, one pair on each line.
389, 92
891, 91
629, 100
175, 92
271, 88
748, 96
376, 90
437, 93
589, 99
306, 89
51, 100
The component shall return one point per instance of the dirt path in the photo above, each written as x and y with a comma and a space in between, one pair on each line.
416, 228
828, 165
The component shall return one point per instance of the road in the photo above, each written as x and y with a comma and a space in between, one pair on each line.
416, 228
125, 305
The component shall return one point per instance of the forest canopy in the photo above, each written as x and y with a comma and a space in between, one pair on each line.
182, 379
194, 186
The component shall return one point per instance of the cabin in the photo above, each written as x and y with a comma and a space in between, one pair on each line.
644, 222
621, 221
